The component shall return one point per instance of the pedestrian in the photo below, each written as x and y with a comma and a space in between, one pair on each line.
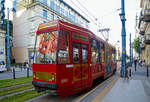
135, 64
144, 64
139, 62
26, 64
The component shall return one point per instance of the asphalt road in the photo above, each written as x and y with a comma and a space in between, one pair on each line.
18, 73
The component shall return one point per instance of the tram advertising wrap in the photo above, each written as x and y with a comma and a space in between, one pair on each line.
67, 58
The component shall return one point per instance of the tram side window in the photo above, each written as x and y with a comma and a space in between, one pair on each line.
76, 58
99, 51
113, 55
63, 48
94, 52
102, 53
84, 53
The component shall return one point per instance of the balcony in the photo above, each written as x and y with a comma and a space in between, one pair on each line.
147, 39
142, 46
142, 31
145, 16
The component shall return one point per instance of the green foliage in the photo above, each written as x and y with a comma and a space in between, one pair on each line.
136, 45
15, 89
21, 97
17, 81
127, 57
10, 27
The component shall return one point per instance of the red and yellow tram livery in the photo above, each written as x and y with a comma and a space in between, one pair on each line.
68, 58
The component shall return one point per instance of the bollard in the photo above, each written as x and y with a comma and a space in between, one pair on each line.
130, 72
147, 72
14, 76
126, 75
27, 72
21, 68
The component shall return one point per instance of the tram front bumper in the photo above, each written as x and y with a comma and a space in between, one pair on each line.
45, 85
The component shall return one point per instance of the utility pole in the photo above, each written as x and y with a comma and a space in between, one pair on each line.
8, 42
122, 16
130, 50
106, 31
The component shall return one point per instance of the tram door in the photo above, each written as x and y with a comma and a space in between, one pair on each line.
80, 67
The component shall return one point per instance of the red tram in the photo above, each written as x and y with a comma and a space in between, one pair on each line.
68, 58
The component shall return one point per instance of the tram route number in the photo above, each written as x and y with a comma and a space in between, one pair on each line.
64, 81
69, 66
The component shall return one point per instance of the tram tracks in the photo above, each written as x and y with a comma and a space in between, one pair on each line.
14, 86
15, 89
15, 93
84, 96
48, 97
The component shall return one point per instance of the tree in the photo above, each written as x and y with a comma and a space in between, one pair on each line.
127, 57
10, 27
136, 45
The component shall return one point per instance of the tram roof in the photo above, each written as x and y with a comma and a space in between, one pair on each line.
55, 23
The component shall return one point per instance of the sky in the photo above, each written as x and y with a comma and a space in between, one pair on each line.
107, 13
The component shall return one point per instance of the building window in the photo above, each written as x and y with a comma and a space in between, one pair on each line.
52, 4
57, 17
58, 8
44, 14
52, 16
45, 2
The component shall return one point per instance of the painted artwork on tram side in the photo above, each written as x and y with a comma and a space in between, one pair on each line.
47, 47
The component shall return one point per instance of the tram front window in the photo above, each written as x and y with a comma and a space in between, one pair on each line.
46, 46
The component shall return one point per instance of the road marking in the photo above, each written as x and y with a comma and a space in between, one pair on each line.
92, 90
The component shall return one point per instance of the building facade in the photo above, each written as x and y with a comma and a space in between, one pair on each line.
2, 46
30, 13
144, 31
118, 52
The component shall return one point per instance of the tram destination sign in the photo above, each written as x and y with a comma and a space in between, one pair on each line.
79, 37
48, 25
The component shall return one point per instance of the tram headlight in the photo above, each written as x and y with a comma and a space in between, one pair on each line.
52, 78
34, 75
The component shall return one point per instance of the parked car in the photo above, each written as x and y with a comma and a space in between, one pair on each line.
2, 66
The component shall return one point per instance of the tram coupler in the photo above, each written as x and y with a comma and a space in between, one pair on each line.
39, 89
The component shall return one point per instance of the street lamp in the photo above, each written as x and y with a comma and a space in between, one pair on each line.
122, 17
130, 51
8, 38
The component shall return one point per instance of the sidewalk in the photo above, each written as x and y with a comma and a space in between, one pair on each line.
19, 72
133, 89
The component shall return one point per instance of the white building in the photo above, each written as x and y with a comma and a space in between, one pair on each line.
118, 52
144, 31
2, 46
30, 13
